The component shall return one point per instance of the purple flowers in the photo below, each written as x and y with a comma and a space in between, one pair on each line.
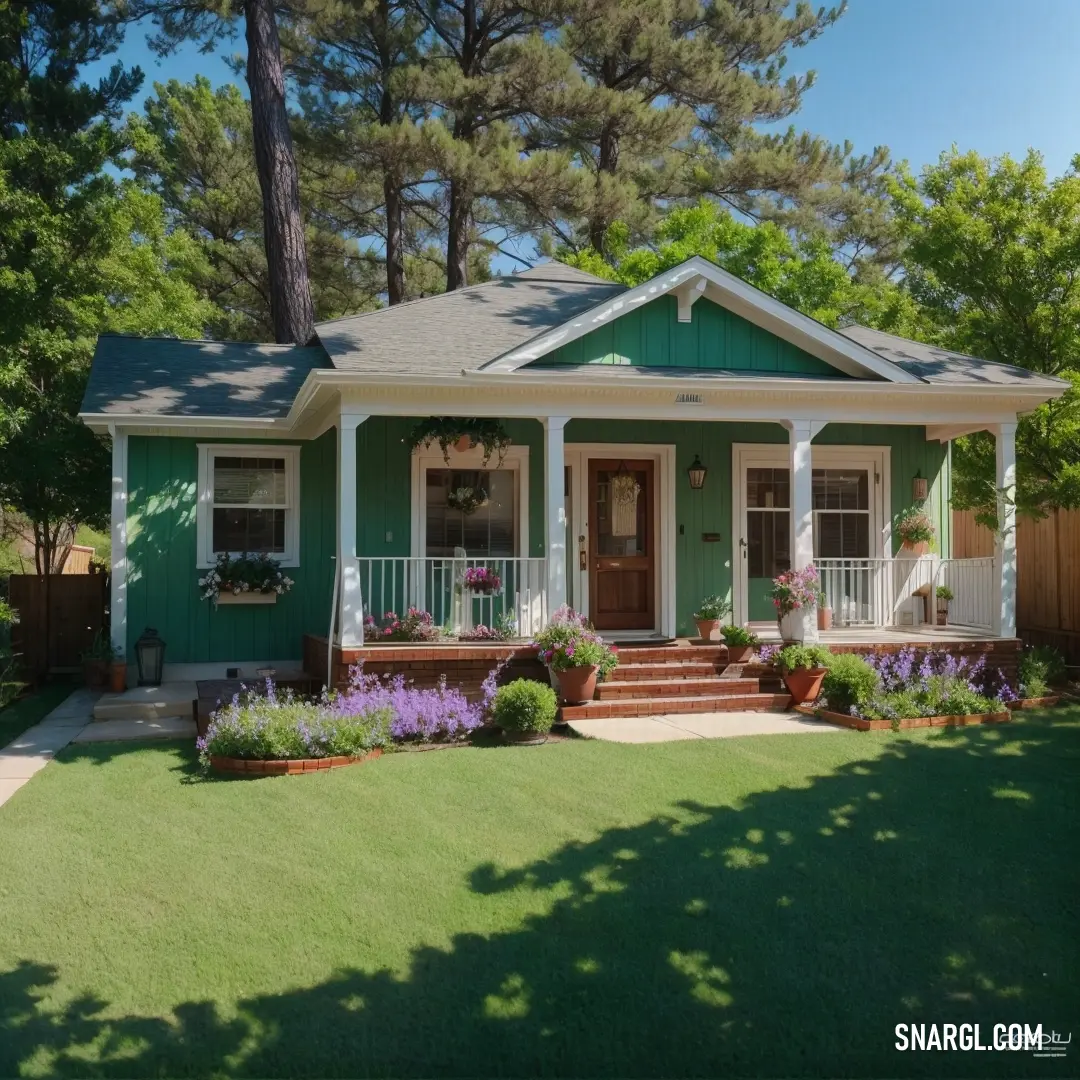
481, 579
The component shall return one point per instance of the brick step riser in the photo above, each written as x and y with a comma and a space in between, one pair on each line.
679, 688
664, 706
645, 672
660, 654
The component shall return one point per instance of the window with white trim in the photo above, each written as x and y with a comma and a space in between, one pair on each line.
249, 502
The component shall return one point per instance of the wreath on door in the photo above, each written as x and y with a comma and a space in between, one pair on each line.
624, 497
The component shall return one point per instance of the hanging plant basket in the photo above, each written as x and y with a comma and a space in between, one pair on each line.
459, 433
466, 499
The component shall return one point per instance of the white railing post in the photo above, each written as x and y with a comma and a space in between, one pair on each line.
800, 433
119, 560
351, 625
555, 509
1005, 583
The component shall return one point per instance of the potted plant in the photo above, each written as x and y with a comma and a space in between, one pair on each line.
525, 710
708, 615
96, 662
804, 668
944, 595
118, 672
482, 579
740, 643
793, 591
577, 665
565, 626
466, 499
460, 433
915, 529
824, 614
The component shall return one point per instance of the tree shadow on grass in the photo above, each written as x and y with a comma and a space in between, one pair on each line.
784, 937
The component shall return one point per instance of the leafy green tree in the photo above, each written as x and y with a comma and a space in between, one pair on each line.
804, 274
80, 253
194, 148
992, 254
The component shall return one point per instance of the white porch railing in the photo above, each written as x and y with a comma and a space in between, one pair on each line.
886, 592
438, 586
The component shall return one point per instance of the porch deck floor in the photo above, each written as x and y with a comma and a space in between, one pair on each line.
882, 635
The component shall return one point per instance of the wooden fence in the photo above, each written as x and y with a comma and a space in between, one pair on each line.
78, 605
1047, 574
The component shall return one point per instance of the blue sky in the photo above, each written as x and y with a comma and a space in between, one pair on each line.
915, 75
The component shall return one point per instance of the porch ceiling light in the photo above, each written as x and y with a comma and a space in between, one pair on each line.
697, 473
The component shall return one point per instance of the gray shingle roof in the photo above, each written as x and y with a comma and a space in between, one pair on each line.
462, 330
166, 376
933, 364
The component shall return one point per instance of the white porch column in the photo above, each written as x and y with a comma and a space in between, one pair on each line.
351, 600
119, 570
555, 510
800, 432
1005, 585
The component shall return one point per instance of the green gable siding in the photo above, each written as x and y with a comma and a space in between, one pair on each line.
162, 557
714, 339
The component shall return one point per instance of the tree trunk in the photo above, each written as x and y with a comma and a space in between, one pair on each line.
283, 227
457, 237
395, 262
607, 162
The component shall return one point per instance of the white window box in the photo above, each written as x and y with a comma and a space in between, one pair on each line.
248, 598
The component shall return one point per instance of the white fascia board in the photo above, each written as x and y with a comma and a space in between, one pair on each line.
732, 292
136, 423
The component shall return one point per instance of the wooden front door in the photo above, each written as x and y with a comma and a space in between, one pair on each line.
622, 544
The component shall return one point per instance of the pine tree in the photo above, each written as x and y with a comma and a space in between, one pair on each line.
194, 147
211, 21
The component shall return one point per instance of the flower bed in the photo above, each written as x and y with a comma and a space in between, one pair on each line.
860, 723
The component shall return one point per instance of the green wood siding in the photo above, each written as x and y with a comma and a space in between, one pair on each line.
162, 580
714, 339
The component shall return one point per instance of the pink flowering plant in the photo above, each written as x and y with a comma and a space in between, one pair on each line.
794, 590
569, 641
415, 625
482, 579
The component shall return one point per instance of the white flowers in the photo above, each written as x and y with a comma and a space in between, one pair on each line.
244, 574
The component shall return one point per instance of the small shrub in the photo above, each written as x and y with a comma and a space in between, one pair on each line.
525, 705
943, 592
794, 657
738, 636
712, 607
1040, 667
850, 682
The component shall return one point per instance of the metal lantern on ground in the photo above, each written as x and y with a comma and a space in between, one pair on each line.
150, 656
697, 473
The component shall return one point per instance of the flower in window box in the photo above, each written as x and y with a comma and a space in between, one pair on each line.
244, 574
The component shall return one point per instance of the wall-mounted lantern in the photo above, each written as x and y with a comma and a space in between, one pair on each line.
919, 487
697, 473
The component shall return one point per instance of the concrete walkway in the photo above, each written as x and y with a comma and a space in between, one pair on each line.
715, 725
72, 721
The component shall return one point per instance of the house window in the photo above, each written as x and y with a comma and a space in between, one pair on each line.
841, 502
768, 522
249, 502
471, 510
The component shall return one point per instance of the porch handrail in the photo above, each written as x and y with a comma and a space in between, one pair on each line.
437, 585
883, 591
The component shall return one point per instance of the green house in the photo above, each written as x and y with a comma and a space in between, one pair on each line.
689, 437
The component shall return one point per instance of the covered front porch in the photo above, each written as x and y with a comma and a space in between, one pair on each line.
719, 506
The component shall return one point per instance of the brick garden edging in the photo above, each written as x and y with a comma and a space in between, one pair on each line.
1035, 702
859, 724
260, 767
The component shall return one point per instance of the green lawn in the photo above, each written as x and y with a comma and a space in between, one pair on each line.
767, 906
19, 715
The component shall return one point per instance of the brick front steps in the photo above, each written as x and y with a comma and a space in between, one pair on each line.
680, 679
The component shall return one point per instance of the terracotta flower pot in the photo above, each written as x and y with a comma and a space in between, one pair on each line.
118, 677
96, 674
739, 654
804, 684
464, 443
577, 684
912, 551
706, 628
824, 618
